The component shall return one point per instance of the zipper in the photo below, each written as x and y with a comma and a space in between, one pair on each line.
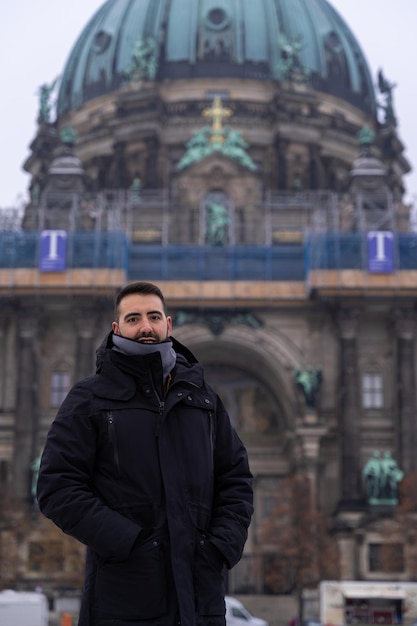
159, 418
112, 439
162, 403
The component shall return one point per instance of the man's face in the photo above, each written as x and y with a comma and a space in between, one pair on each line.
142, 318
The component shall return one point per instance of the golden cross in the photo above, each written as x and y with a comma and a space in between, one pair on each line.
217, 112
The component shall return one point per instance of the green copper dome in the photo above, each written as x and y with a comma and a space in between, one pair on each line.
187, 39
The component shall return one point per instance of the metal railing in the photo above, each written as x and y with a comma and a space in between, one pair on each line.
146, 234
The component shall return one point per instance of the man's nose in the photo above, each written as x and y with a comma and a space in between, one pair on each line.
146, 326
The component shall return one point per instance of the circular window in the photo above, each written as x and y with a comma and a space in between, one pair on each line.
332, 42
101, 41
217, 19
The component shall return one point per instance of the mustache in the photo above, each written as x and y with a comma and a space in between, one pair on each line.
149, 335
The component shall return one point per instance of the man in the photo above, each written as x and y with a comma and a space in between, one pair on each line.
142, 465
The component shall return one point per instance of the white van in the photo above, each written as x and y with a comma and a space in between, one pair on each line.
238, 615
23, 608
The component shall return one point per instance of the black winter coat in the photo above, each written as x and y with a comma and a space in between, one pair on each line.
151, 483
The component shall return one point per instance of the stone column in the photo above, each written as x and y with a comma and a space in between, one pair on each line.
310, 431
27, 403
350, 407
405, 324
7, 354
281, 149
348, 556
151, 177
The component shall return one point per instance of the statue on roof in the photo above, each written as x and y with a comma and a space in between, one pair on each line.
217, 138
232, 146
386, 88
366, 138
382, 475
144, 63
235, 147
68, 135
198, 147
290, 66
308, 381
45, 92
135, 189
217, 222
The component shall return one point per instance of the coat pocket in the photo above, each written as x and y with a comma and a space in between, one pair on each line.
209, 578
135, 588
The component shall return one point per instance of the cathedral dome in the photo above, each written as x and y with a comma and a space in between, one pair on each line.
189, 39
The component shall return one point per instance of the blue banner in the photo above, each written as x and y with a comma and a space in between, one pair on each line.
53, 251
380, 252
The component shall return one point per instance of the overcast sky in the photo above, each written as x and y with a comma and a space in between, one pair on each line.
36, 37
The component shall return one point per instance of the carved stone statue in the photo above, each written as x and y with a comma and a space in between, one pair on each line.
217, 223
135, 189
308, 381
232, 146
386, 88
198, 147
217, 138
290, 65
372, 471
45, 92
68, 135
382, 476
144, 63
366, 136
235, 147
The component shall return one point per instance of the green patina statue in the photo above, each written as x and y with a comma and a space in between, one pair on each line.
144, 62
382, 476
45, 93
308, 381
68, 136
217, 138
201, 145
366, 136
289, 66
135, 189
386, 88
217, 222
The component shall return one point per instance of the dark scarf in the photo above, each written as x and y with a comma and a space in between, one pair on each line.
131, 347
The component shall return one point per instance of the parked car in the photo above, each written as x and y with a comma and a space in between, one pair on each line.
21, 608
238, 615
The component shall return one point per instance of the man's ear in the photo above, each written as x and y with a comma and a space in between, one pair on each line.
115, 328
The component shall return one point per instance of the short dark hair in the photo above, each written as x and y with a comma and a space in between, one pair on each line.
143, 288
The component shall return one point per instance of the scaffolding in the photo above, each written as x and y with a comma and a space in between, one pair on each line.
315, 237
